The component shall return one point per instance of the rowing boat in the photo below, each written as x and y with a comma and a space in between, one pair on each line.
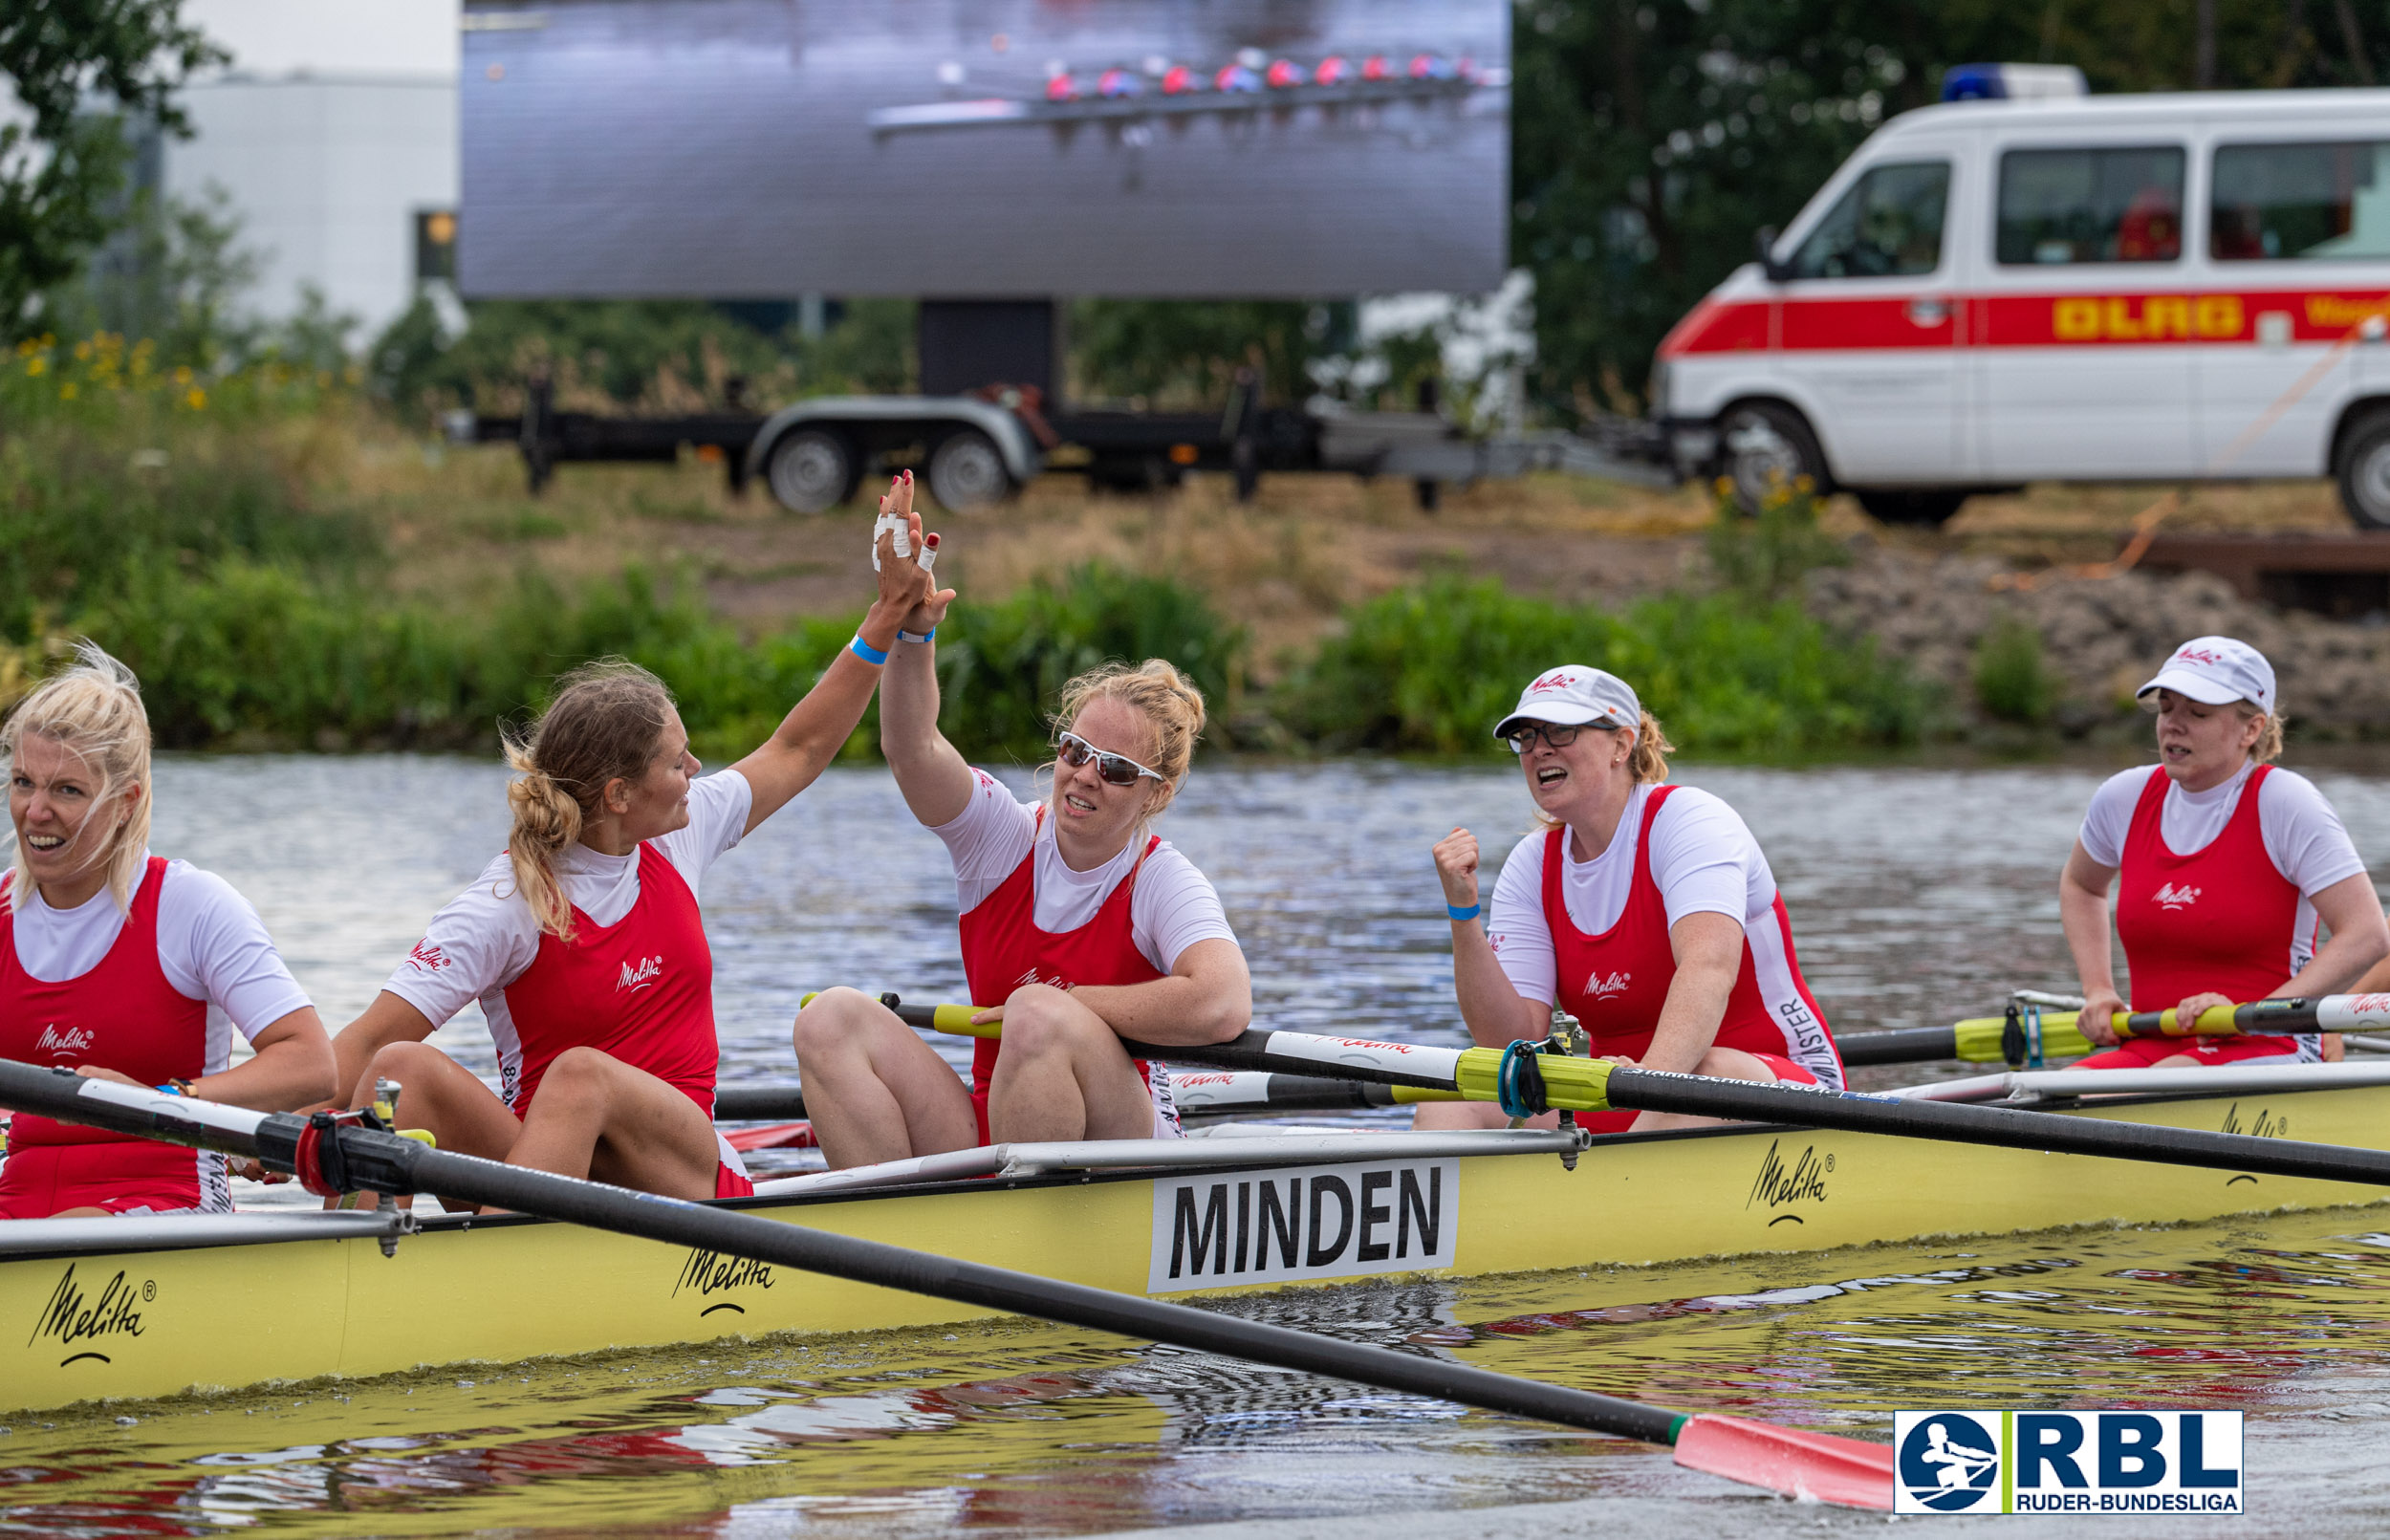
148, 1307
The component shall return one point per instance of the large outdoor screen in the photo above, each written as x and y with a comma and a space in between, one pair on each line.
984, 148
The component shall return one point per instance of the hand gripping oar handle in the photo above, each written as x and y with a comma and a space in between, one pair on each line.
387, 1163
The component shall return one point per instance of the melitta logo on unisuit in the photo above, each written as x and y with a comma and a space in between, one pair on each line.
1304, 1223
2067, 1463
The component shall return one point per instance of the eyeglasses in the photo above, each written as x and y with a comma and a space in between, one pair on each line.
1116, 769
1522, 738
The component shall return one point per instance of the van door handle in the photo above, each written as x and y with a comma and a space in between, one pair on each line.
1928, 312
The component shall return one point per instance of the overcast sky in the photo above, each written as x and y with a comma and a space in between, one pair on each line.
333, 37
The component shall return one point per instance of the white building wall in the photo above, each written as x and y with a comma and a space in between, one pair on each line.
327, 172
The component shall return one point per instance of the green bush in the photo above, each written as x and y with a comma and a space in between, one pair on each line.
2013, 681
1433, 667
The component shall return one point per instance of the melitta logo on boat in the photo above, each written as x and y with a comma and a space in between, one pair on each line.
1615, 984
1303, 1223
709, 1273
63, 1042
83, 1323
2067, 1463
1785, 1180
648, 971
2174, 898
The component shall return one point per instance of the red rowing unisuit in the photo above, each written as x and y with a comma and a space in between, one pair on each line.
2221, 920
639, 990
122, 1015
1616, 982
1003, 949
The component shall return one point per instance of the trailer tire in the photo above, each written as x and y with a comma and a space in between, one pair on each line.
1931, 506
2363, 470
1762, 445
967, 473
812, 471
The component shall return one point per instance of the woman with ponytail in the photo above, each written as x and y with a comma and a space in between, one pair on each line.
582, 941
126, 966
1079, 927
1644, 910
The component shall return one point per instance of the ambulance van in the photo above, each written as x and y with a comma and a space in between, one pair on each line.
2134, 288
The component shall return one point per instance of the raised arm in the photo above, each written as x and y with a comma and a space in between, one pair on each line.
2083, 914
929, 771
818, 725
1492, 1006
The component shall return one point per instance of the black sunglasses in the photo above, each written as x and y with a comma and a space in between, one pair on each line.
1116, 769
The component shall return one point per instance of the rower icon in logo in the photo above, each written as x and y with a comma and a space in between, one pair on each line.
1948, 1462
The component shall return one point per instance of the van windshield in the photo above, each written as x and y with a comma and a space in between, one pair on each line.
2122, 204
1889, 224
2317, 201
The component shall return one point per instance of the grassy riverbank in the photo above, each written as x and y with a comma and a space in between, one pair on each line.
286, 569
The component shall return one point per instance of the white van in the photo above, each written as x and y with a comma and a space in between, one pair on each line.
2164, 287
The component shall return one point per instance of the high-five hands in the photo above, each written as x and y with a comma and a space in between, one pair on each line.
901, 551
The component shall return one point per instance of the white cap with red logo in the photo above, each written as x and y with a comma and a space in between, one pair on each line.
2216, 671
1573, 696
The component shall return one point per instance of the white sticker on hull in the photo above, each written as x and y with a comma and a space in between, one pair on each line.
1300, 1223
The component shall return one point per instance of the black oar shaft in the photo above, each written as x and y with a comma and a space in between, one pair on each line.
1748, 1100
387, 1163
1909, 1045
759, 1104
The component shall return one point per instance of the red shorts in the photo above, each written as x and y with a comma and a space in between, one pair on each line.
1618, 1121
729, 1184
37, 1181
2140, 1053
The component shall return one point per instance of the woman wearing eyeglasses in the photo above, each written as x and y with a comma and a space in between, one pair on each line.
1079, 927
1644, 910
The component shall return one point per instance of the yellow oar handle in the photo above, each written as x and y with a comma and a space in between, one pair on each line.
1980, 1038
1577, 1085
955, 1021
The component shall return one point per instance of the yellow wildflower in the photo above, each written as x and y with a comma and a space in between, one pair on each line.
66, 392
36, 365
196, 399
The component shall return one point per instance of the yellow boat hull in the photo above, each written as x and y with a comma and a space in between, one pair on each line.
84, 1323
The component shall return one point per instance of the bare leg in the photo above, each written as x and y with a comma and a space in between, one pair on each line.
874, 1090
594, 1115
80, 1213
1443, 1114
1063, 1075
443, 1098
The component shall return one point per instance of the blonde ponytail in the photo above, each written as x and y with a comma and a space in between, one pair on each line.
1650, 759
93, 711
603, 726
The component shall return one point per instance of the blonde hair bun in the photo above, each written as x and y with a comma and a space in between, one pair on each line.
1160, 692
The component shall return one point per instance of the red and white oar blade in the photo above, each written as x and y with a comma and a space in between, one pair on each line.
776, 1137
1850, 1472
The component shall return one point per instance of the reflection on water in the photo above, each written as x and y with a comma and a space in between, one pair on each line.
1917, 895
1026, 1429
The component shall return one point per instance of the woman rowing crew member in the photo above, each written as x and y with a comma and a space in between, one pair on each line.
583, 942
1645, 910
126, 966
2227, 864
1079, 928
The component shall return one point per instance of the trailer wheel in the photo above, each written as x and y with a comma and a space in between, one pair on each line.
2365, 470
1765, 446
1929, 506
812, 471
967, 473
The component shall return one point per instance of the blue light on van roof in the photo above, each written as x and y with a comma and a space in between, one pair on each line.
2011, 82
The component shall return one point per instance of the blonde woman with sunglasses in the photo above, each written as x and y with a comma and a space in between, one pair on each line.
1079, 927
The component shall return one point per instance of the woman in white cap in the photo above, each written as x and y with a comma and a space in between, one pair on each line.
2229, 866
1644, 910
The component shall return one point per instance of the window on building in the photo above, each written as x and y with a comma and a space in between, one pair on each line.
435, 244
2122, 204
1887, 224
2315, 203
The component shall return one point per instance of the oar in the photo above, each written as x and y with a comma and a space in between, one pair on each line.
1983, 1039
336, 1154
1228, 1092
1596, 1085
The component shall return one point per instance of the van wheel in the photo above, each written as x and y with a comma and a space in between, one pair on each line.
2364, 471
1927, 505
967, 473
1766, 446
812, 471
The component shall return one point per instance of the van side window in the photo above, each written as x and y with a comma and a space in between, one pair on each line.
2316, 201
2120, 204
1887, 224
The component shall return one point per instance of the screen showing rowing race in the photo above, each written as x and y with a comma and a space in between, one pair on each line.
984, 148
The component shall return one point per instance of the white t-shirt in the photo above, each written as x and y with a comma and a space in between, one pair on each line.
2303, 836
1703, 861
1173, 907
486, 937
210, 943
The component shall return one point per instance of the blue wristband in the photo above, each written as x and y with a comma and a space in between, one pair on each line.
1459, 913
929, 635
865, 650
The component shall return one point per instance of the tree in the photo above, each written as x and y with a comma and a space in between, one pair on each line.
63, 171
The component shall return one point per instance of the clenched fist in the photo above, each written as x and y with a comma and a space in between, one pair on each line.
1456, 867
